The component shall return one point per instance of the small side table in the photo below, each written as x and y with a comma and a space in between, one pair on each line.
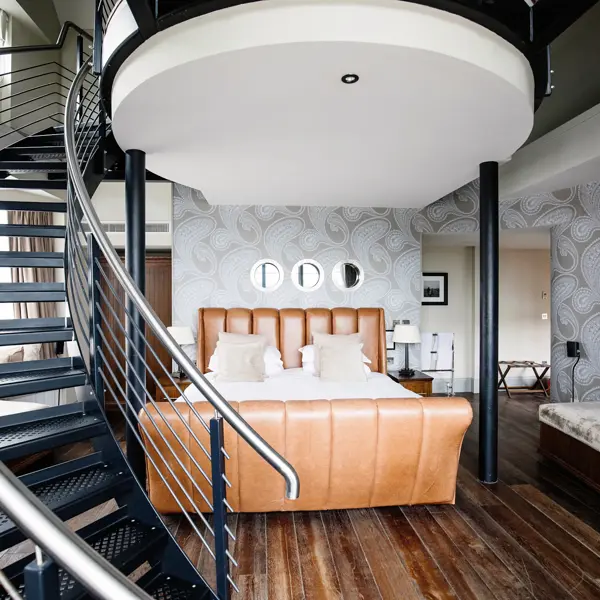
169, 387
420, 383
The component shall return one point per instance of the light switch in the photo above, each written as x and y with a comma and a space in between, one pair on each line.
544, 316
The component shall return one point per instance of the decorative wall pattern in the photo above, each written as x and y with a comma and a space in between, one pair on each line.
573, 216
214, 248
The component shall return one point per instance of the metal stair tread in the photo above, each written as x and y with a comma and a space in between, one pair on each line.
35, 323
163, 586
44, 433
24, 377
33, 184
37, 206
31, 259
69, 489
54, 231
35, 335
124, 542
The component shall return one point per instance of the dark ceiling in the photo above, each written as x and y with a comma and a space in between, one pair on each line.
576, 64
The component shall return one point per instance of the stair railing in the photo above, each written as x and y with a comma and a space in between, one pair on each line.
33, 93
52, 537
106, 306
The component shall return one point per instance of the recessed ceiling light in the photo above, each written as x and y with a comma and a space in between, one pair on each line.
350, 78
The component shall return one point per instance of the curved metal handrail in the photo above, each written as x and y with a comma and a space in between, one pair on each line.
240, 426
62, 36
66, 548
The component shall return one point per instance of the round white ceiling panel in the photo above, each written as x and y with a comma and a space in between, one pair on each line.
355, 103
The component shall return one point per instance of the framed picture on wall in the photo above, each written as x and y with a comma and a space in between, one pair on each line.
389, 339
434, 289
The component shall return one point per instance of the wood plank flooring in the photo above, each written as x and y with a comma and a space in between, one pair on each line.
535, 534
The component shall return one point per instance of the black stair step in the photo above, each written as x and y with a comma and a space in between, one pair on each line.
40, 380
47, 428
43, 138
31, 259
32, 292
123, 541
33, 184
69, 489
163, 586
31, 335
32, 166
24, 324
55, 207
40, 152
48, 231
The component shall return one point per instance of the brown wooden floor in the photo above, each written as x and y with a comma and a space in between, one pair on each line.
533, 535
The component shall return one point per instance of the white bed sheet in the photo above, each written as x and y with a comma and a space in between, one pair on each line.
295, 384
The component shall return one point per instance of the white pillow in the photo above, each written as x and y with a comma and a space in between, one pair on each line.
272, 357
309, 360
241, 362
342, 362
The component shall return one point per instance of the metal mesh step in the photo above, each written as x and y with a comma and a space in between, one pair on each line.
165, 587
34, 436
12, 378
70, 491
125, 543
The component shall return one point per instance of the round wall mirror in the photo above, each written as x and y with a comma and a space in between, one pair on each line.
266, 275
347, 275
307, 275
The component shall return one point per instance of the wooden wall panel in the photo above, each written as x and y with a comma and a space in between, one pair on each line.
158, 293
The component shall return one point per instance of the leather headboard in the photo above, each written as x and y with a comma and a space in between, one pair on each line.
291, 328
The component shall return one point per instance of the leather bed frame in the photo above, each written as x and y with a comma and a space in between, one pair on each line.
348, 453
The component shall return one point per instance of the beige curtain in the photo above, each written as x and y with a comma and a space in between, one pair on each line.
33, 310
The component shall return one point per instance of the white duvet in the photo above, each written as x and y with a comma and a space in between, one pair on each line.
295, 384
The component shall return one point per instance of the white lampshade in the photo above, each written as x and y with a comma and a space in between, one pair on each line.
406, 334
182, 335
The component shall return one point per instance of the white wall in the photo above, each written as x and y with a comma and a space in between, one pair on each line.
109, 202
458, 316
524, 277
524, 335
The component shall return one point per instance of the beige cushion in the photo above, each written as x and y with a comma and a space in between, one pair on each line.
320, 339
32, 352
11, 354
241, 362
327, 338
241, 338
342, 362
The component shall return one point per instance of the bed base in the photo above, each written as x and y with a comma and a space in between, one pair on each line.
576, 457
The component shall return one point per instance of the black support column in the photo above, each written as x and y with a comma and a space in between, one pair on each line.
488, 334
135, 262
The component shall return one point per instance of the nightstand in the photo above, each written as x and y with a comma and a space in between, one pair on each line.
420, 383
170, 388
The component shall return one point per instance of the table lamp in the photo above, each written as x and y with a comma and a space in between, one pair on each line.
406, 334
184, 336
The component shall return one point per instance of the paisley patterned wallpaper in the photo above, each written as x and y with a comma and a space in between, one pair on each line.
214, 248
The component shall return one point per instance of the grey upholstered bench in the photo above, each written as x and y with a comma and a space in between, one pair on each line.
570, 435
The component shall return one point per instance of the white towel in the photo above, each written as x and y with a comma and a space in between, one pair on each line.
436, 351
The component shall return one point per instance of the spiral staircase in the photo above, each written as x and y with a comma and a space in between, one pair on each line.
61, 145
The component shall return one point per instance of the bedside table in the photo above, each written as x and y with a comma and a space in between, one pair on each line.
420, 383
170, 388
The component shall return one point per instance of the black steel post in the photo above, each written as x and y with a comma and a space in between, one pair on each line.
95, 338
219, 509
41, 580
488, 316
97, 69
135, 262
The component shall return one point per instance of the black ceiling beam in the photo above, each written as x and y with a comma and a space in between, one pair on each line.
553, 17
144, 17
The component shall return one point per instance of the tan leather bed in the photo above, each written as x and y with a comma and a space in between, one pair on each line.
348, 453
